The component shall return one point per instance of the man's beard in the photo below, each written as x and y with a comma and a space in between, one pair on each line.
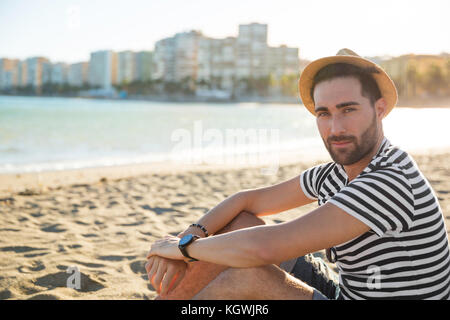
366, 144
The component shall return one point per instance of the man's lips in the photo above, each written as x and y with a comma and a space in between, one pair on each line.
341, 143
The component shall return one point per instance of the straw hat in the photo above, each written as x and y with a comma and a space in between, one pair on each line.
385, 84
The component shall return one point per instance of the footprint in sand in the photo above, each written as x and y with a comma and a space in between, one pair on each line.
158, 210
116, 258
138, 267
20, 249
5, 294
59, 279
32, 267
52, 228
89, 264
44, 296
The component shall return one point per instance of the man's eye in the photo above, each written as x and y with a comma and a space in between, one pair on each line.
349, 110
321, 114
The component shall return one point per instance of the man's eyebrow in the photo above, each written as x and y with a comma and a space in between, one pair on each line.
346, 104
338, 106
320, 109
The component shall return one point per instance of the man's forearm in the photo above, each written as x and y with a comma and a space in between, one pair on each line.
240, 249
219, 216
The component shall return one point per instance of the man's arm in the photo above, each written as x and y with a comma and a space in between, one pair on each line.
261, 201
322, 228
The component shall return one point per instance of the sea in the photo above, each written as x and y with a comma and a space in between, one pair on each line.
52, 133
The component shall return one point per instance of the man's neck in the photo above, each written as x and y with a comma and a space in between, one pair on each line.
355, 169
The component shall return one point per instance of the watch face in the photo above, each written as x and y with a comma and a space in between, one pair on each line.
185, 240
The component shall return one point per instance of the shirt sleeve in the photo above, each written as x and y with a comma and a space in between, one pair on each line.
381, 199
310, 180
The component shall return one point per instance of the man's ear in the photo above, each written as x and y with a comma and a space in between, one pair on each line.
380, 108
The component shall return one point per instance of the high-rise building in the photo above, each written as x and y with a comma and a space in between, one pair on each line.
37, 71
283, 60
175, 58
78, 74
144, 65
252, 51
59, 73
8, 73
103, 69
186, 50
126, 67
224, 55
164, 60
22, 73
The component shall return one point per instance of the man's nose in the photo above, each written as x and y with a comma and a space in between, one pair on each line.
337, 126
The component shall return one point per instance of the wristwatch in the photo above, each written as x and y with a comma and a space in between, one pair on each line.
184, 242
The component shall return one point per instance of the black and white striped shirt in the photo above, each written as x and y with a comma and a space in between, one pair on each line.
406, 253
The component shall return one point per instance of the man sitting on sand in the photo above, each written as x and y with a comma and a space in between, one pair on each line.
378, 216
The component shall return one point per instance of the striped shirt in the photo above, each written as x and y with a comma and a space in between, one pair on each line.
406, 253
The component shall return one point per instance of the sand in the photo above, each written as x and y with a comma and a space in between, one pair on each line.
101, 222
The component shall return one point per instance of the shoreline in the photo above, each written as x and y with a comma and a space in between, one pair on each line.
432, 102
29, 183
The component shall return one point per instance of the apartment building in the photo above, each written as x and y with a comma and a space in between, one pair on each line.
126, 67
78, 74
8, 73
251, 50
37, 71
144, 65
282, 60
103, 69
59, 73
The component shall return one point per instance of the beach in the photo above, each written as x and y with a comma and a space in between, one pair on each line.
101, 222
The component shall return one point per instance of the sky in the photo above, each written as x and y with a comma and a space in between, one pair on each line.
68, 30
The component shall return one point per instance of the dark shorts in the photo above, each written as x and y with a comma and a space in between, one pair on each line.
317, 274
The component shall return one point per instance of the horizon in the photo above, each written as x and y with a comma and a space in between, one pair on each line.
74, 29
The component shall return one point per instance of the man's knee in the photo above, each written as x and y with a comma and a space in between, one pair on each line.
242, 280
244, 219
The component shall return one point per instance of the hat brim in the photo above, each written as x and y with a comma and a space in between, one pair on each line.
385, 84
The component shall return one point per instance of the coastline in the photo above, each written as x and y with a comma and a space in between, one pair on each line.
432, 102
29, 183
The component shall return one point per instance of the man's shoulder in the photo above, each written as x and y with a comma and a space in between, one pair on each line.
393, 158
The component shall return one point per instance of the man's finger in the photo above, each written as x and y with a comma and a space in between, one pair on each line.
149, 264
177, 279
162, 268
168, 279
152, 272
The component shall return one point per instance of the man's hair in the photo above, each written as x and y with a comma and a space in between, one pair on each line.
369, 86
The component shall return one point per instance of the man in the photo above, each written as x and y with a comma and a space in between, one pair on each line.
378, 216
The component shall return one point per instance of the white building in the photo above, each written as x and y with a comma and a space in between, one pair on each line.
126, 67
175, 58
224, 55
59, 73
164, 60
78, 74
37, 71
251, 51
103, 69
8, 73
283, 60
186, 50
144, 65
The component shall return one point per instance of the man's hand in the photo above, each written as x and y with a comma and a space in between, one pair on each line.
165, 274
167, 248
